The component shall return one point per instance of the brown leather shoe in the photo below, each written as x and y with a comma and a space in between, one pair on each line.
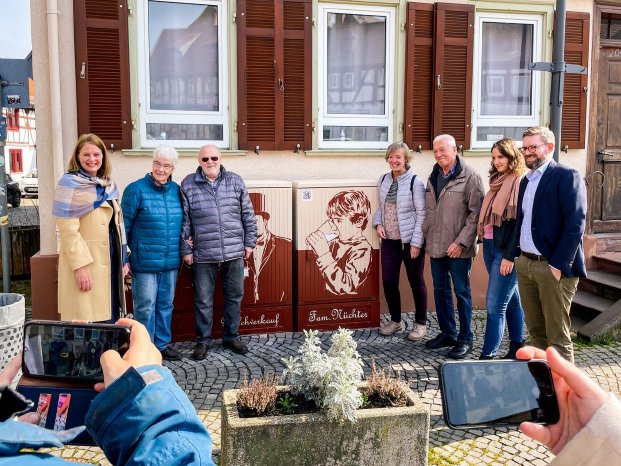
200, 352
171, 354
236, 345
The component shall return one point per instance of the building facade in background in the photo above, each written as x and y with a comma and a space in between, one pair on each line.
309, 89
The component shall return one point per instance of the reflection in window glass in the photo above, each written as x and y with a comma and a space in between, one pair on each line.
184, 132
355, 133
507, 49
494, 133
356, 64
183, 57
611, 27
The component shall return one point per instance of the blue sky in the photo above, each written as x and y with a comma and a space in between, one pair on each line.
15, 29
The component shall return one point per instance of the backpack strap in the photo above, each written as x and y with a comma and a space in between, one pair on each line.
411, 182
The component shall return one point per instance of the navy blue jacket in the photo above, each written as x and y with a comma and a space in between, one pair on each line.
559, 215
153, 215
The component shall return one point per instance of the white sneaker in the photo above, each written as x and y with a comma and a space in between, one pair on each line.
418, 332
390, 328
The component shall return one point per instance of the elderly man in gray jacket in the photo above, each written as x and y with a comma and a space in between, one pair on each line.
453, 200
219, 231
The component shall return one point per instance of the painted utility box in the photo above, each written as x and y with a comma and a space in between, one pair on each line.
267, 306
336, 270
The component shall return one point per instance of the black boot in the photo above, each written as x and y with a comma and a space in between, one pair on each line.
513, 347
484, 357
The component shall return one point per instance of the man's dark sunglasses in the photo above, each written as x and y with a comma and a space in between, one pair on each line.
213, 159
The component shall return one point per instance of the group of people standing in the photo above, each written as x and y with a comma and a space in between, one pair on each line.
530, 222
208, 222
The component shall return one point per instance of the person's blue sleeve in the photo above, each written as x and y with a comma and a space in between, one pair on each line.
144, 417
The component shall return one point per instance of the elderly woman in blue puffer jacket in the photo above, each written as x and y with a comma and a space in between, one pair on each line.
399, 223
153, 216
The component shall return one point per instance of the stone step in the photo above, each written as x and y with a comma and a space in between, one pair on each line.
591, 301
603, 284
608, 262
607, 325
585, 307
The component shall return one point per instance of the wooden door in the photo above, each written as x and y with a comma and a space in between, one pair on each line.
606, 198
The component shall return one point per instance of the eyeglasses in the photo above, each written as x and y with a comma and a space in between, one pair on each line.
213, 159
165, 166
532, 148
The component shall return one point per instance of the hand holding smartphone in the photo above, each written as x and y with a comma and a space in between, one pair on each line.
67, 350
502, 392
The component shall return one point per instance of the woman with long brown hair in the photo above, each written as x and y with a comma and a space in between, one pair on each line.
497, 229
93, 250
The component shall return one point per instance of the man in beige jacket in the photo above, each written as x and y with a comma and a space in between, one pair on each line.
453, 199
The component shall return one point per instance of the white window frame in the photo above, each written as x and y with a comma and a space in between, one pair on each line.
147, 115
325, 119
534, 119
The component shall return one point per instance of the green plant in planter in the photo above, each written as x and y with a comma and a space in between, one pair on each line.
285, 403
329, 379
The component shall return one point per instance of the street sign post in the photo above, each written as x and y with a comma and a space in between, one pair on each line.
558, 68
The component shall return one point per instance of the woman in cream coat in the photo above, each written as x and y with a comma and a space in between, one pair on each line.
93, 251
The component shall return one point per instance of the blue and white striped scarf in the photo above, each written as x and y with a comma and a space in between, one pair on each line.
78, 194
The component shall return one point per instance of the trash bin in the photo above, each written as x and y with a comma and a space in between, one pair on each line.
336, 276
12, 316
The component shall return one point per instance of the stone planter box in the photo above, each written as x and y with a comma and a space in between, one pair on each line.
380, 437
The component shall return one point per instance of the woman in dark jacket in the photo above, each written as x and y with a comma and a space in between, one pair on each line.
153, 214
497, 228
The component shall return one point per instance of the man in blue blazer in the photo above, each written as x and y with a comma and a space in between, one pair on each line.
551, 219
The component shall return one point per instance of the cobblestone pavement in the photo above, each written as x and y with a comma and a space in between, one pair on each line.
204, 381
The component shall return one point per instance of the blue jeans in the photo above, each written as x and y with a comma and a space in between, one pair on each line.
153, 295
444, 270
232, 274
502, 301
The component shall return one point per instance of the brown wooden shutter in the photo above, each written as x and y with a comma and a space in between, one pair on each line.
274, 66
419, 76
454, 39
102, 70
297, 72
256, 71
573, 130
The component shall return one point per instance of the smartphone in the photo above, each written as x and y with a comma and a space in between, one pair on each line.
502, 392
70, 350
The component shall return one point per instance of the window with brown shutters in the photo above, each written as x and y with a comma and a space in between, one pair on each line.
274, 74
355, 75
438, 73
573, 126
506, 94
102, 70
182, 68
